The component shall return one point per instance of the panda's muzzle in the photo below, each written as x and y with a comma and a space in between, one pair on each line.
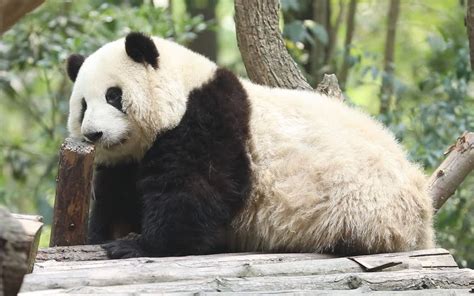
93, 137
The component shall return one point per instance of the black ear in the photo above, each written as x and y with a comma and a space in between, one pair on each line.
141, 49
74, 63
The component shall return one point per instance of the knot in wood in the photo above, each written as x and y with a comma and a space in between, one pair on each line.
354, 282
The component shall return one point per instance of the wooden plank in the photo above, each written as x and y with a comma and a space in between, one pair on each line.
355, 292
146, 272
374, 281
120, 272
433, 258
71, 206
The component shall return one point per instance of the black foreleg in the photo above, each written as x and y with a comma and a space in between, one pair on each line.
178, 222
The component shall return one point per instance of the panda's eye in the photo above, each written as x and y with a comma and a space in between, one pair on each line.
114, 97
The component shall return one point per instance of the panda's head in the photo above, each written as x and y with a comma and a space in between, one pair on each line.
126, 93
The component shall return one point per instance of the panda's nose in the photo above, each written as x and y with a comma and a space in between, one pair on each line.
93, 137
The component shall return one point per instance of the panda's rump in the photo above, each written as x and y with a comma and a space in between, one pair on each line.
328, 178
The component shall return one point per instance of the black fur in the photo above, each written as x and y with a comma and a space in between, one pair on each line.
141, 49
74, 63
113, 96
196, 177
83, 110
116, 208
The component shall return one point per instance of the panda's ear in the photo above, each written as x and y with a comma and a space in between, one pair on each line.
141, 49
74, 63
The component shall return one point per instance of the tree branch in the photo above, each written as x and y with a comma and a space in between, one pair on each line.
453, 170
12, 10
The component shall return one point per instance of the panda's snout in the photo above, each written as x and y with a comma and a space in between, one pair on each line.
93, 137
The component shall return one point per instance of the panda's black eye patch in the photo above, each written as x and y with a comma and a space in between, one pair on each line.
83, 110
114, 97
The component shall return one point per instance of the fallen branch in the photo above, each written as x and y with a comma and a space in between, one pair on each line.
453, 170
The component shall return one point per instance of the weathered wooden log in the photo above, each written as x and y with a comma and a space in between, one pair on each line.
147, 270
355, 292
71, 206
19, 237
453, 170
377, 281
32, 226
72, 253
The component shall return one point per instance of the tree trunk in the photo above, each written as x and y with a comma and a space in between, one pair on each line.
206, 41
333, 34
262, 47
386, 90
350, 28
470, 29
321, 16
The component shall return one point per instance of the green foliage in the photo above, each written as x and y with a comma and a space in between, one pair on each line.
34, 88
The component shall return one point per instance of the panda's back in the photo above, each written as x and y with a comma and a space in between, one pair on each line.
331, 176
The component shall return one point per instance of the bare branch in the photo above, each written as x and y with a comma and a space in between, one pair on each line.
453, 170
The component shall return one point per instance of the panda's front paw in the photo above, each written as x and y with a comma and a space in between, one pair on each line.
121, 249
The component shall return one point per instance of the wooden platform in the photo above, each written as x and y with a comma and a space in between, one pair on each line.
83, 270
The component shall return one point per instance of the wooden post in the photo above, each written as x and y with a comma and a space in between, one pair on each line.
73, 188
19, 237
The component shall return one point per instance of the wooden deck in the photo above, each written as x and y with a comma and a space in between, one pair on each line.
84, 270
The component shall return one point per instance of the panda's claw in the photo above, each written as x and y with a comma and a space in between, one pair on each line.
121, 249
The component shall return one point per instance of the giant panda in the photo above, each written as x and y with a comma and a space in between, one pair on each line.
198, 161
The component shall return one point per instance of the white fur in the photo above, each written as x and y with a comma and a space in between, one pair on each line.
153, 100
324, 174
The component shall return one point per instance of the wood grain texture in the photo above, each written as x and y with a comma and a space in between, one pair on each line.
71, 206
207, 273
262, 47
32, 227
14, 248
453, 170
470, 29
380, 281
